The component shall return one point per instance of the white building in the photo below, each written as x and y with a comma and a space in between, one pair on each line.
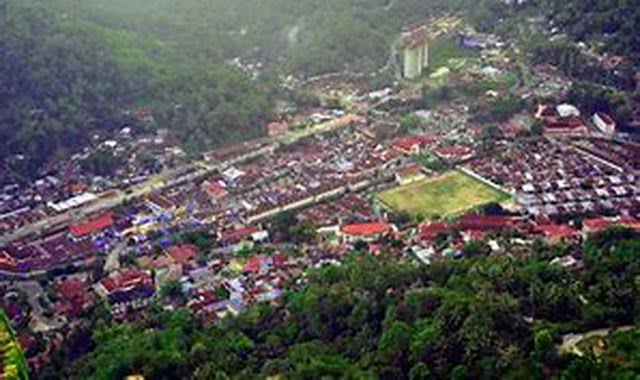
416, 53
604, 123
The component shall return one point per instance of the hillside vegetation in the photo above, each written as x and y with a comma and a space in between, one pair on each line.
12, 363
482, 317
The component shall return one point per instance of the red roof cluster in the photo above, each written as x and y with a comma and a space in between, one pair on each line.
91, 226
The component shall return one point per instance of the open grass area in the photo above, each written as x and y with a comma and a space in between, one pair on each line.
446, 52
12, 362
444, 196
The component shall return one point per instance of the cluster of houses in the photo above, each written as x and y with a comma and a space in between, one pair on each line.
551, 178
68, 184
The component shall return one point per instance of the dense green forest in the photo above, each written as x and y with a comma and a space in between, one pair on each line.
482, 317
611, 24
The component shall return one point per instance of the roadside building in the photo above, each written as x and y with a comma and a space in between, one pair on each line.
364, 231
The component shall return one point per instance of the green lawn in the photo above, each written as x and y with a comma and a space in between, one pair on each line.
446, 195
446, 52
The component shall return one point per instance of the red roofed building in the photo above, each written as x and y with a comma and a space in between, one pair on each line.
630, 222
429, 231
7, 262
92, 226
235, 236
126, 286
182, 254
485, 222
216, 190
569, 125
409, 173
556, 232
365, 231
596, 224
412, 144
75, 298
254, 265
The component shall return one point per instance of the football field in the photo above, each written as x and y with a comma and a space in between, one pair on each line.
447, 195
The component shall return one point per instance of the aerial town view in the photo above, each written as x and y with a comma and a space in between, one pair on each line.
298, 189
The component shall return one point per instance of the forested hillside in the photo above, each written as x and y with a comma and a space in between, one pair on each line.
483, 317
612, 24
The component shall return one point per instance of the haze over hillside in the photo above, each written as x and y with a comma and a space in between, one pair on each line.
319, 189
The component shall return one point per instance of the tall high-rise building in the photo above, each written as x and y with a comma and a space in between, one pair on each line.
415, 55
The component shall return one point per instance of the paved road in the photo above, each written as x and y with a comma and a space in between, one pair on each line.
112, 262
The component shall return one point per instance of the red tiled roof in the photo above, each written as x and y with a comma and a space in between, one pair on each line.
71, 288
214, 189
409, 171
596, 224
127, 279
408, 143
366, 229
557, 231
253, 265
92, 226
630, 222
234, 236
485, 222
430, 230
182, 254
279, 260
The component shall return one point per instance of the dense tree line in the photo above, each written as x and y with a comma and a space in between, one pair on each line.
613, 24
482, 317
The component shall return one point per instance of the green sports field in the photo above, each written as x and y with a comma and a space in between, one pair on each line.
449, 194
